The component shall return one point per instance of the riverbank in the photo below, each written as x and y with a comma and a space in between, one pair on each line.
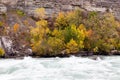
79, 54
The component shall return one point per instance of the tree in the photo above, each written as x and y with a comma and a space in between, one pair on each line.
61, 21
56, 45
40, 13
72, 47
16, 27
76, 33
2, 52
39, 36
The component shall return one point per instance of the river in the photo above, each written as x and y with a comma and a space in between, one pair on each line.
73, 68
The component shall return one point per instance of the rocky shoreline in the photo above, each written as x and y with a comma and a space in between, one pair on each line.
79, 54
19, 52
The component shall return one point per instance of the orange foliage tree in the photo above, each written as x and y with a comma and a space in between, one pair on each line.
16, 27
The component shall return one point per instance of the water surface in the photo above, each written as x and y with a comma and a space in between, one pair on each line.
73, 68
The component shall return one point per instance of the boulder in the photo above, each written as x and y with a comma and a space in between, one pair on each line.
3, 9
95, 57
9, 2
13, 51
114, 52
29, 52
6, 44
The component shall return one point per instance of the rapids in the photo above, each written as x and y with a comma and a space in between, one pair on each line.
73, 68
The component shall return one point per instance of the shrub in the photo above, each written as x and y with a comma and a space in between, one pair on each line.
38, 37
56, 45
118, 46
70, 33
74, 17
76, 33
40, 13
40, 31
2, 52
58, 34
40, 47
64, 20
20, 12
72, 47
16, 27
61, 21
1, 23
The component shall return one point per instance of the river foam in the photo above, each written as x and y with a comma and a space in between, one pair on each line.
73, 68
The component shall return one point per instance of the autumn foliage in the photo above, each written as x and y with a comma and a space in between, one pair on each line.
16, 27
75, 31
2, 52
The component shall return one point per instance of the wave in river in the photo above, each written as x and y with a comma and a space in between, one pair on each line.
73, 68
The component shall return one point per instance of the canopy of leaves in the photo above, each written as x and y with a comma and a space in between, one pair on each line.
75, 31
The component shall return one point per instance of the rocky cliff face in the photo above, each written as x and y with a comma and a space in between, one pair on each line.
55, 6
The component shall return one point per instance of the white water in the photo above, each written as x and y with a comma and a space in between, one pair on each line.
74, 68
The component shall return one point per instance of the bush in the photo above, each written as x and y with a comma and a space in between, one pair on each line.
38, 38
58, 34
1, 23
72, 47
61, 21
74, 32
56, 45
2, 52
40, 13
40, 31
40, 48
20, 12
67, 19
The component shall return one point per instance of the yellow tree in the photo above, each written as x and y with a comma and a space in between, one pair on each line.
56, 45
61, 21
81, 30
2, 52
72, 47
16, 27
40, 13
38, 37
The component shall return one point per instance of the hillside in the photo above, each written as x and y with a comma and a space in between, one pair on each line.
80, 27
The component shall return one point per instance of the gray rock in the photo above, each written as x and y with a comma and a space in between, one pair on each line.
3, 9
55, 6
96, 57
9, 2
114, 52
6, 44
28, 51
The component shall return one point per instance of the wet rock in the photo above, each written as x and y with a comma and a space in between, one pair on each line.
114, 52
95, 57
29, 52
83, 53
